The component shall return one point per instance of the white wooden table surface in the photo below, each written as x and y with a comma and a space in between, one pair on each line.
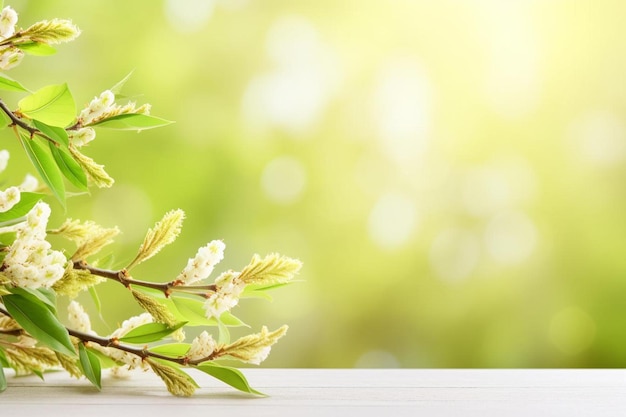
333, 392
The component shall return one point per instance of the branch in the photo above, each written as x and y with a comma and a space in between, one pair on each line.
16, 121
113, 342
122, 276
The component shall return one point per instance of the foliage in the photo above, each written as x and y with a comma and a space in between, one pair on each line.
33, 335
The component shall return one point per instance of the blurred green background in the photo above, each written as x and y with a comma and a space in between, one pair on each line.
452, 174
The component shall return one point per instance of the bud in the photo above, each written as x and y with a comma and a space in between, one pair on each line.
253, 348
52, 31
163, 233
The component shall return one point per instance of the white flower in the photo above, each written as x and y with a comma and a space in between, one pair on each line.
4, 159
83, 136
37, 220
201, 266
120, 372
132, 323
97, 107
133, 361
202, 346
8, 20
30, 184
30, 262
9, 198
78, 318
10, 57
226, 297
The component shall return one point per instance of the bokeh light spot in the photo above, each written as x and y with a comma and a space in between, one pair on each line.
510, 237
392, 221
572, 330
402, 108
188, 15
599, 138
514, 73
295, 93
454, 254
283, 179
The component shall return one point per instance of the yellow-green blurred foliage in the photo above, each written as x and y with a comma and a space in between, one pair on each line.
451, 173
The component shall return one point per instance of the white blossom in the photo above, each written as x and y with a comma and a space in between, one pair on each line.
202, 346
83, 136
132, 323
97, 107
225, 297
133, 361
4, 159
8, 20
30, 184
78, 318
9, 198
10, 56
120, 372
30, 262
201, 266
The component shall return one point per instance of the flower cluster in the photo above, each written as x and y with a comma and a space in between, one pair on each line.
30, 261
32, 275
226, 296
101, 108
10, 55
202, 346
201, 266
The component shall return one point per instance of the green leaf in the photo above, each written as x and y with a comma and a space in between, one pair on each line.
39, 322
230, 376
259, 290
37, 48
69, 167
46, 166
52, 105
132, 121
192, 311
231, 320
3, 380
91, 365
9, 84
175, 350
4, 363
105, 361
117, 88
47, 297
224, 334
57, 134
150, 332
26, 203
96, 300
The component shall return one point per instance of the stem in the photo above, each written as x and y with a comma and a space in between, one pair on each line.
112, 342
16, 121
126, 280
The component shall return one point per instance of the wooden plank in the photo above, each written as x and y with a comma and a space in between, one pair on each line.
335, 392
